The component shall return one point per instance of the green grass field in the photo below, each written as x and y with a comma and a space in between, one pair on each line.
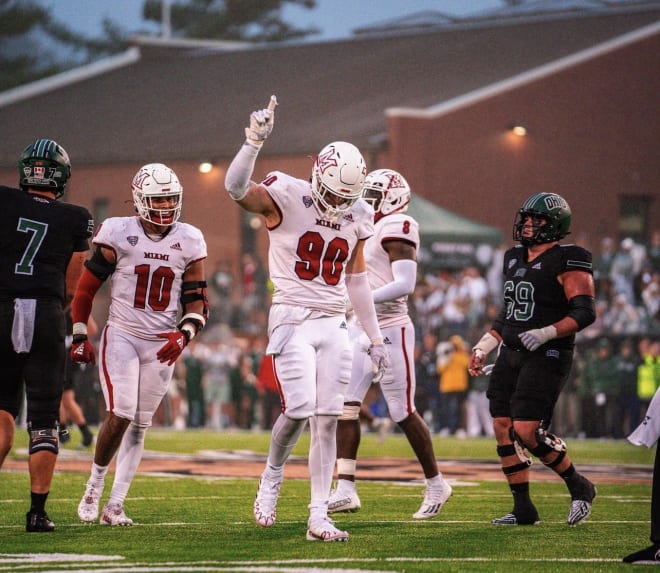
205, 524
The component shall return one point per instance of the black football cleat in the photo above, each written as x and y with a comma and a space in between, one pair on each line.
38, 522
648, 556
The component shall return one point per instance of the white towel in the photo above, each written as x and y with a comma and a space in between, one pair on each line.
22, 330
648, 432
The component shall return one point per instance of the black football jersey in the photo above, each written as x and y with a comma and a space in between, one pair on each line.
37, 238
533, 298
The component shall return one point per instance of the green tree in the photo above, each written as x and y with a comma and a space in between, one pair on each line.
246, 20
34, 45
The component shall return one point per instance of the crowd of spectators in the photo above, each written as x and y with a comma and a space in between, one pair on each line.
224, 380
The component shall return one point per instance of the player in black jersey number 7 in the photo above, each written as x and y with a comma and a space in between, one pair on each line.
43, 249
548, 297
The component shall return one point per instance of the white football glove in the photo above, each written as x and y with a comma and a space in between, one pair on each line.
261, 123
536, 337
380, 359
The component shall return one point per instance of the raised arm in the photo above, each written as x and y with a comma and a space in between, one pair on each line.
250, 195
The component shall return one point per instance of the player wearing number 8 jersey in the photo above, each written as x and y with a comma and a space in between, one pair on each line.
156, 265
391, 257
548, 297
317, 234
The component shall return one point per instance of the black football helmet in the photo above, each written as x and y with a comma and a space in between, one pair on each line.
44, 164
553, 209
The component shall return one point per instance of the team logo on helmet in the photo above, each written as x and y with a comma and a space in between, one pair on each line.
326, 159
337, 177
555, 202
551, 216
157, 194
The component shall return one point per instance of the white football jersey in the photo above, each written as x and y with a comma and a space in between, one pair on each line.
308, 254
397, 226
146, 284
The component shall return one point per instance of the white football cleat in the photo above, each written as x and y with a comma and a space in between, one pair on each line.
88, 508
434, 498
324, 530
581, 502
113, 514
265, 503
343, 500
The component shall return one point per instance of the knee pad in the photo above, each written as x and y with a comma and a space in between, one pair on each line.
548, 443
519, 447
350, 412
510, 450
136, 433
43, 439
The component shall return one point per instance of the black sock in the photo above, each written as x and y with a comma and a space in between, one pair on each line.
520, 492
38, 502
569, 474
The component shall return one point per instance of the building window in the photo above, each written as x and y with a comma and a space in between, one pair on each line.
634, 217
100, 211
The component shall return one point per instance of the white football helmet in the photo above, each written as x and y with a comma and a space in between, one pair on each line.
337, 179
157, 181
387, 191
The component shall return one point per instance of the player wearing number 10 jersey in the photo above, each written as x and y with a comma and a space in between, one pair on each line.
317, 234
156, 264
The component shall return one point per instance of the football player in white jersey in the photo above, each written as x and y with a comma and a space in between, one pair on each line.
156, 264
317, 233
391, 257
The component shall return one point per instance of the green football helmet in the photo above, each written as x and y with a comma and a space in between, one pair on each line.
553, 209
44, 164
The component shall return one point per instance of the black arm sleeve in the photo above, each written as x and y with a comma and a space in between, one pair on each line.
582, 310
99, 266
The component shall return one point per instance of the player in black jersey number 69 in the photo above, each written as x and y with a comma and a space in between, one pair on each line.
548, 297
43, 243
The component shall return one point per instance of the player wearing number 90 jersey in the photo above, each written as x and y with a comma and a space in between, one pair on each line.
317, 233
308, 254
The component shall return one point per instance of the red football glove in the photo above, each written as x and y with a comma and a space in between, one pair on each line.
172, 349
82, 350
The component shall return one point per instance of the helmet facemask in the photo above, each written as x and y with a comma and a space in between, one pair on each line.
44, 164
153, 184
337, 179
551, 208
387, 191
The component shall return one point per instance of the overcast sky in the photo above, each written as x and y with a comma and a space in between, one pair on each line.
335, 18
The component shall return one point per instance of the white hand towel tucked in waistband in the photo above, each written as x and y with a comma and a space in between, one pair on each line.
648, 432
23, 328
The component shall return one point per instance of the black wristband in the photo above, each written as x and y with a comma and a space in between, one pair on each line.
186, 334
79, 338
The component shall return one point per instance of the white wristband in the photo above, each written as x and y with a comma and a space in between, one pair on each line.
487, 343
79, 328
